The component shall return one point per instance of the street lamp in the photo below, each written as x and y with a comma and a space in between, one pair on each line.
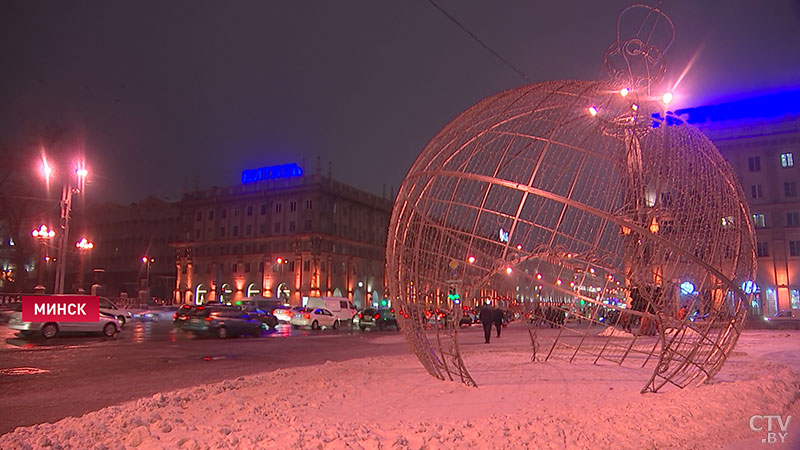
84, 246
66, 208
148, 261
42, 235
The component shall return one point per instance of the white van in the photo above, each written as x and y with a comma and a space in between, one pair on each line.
341, 307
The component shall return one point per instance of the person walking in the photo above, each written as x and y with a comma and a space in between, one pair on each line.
498, 320
486, 316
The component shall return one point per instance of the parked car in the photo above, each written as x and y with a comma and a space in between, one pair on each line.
107, 324
377, 318
789, 318
316, 318
123, 315
266, 318
223, 322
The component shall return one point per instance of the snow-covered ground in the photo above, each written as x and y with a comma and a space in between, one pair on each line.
392, 403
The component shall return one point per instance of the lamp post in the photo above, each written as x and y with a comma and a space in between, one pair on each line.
148, 261
66, 208
84, 246
42, 235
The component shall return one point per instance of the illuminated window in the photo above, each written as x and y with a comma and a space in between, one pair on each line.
795, 296
762, 249
759, 221
755, 191
787, 160
790, 188
754, 162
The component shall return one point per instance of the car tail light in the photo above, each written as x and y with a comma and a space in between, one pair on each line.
377, 316
307, 316
406, 316
391, 310
360, 316
174, 316
208, 319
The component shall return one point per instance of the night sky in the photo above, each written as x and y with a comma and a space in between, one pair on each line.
163, 95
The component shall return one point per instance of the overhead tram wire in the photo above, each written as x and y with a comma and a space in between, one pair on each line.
478, 40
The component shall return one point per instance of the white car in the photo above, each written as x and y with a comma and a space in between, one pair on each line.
107, 324
314, 318
156, 313
122, 315
285, 314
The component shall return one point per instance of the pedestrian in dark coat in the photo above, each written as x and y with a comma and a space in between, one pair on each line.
486, 316
498, 320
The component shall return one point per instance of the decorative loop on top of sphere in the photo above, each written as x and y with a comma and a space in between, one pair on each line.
636, 62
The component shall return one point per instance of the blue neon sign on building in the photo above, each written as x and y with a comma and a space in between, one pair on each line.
271, 173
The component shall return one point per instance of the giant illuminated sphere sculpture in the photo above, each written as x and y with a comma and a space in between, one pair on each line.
577, 200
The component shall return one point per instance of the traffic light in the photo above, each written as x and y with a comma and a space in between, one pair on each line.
383, 302
453, 297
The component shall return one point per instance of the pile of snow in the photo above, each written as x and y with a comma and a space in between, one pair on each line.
392, 403
611, 331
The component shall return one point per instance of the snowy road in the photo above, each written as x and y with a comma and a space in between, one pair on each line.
85, 373
354, 400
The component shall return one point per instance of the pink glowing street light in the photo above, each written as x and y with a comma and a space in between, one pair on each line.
83, 246
42, 235
70, 187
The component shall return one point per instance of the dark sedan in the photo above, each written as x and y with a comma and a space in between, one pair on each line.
265, 317
377, 318
183, 314
223, 322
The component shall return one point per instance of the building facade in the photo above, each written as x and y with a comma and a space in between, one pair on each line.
763, 152
285, 235
123, 236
